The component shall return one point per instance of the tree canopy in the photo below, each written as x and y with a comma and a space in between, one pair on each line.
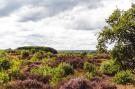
120, 31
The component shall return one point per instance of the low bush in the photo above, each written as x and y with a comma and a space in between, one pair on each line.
4, 77
89, 67
109, 67
90, 75
104, 85
24, 54
42, 70
15, 74
124, 77
38, 56
63, 70
66, 68
40, 78
4, 64
77, 83
75, 61
27, 84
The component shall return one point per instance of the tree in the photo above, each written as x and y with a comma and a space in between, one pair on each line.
120, 31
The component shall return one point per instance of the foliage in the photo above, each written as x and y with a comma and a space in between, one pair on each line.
37, 56
124, 77
37, 48
109, 67
66, 68
24, 54
4, 64
89, 75
15, 73
89, 67
42, 70
27, 84
120, 31
61, 71
105, 85
2, 53
4, 77
77, 83
40, 78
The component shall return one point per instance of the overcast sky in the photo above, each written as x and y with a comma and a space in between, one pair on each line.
61, 24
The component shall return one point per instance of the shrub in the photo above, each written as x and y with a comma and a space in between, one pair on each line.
105, 85
89, 67
38, 56
40, 78
90, 75
77, 83
124, 77
4, 64
56, 79
24, 54
4, 77
42, 70
16, 74
56, 74
75, 61
109, 67
2, 53
15, 62
27, 84
66, 68
61, 71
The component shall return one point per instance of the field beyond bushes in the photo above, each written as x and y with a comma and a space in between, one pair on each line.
45, 68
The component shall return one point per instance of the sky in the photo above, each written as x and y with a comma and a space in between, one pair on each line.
60, 24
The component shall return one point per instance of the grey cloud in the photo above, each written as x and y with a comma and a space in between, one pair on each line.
52, 7
8, 6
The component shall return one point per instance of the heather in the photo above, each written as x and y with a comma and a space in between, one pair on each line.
30, 69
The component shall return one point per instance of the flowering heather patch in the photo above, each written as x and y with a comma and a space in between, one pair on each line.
27, 84
105, 85
77, 83
75, 61
40, 78
102, 85
101, 56
34, 64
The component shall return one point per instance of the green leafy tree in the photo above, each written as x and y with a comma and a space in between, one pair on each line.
120, 31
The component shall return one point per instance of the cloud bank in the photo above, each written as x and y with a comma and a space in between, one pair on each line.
62, 24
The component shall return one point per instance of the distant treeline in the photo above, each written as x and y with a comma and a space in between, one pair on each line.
38, 48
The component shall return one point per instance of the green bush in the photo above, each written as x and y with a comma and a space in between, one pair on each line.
66, 68
60, 72
89, 67
57, 73
24, 54
42, 70
37, 56
2, 53
4, 77
124, 77
4, 64
109, 67
89, 75
15, 73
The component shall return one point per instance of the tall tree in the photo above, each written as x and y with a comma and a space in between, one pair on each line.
120, 31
